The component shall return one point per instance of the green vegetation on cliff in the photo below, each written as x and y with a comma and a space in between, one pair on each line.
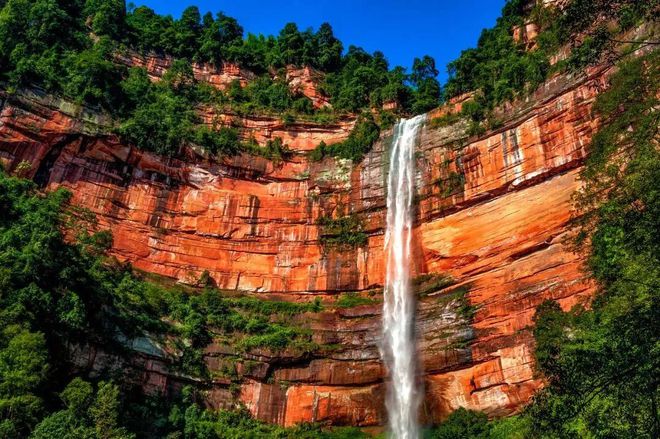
343, 232
57, 297
82, 65
602, 362
501, 69
105, 413
358, 143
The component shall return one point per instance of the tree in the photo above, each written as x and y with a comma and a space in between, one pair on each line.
329, 49
31, 41
136, 87
603, 363
231, 32
219, 38
92, 77
290, 44
77, 396
14, 18
187, 30
256, 53
162, 124
108, 17
427, 88
87, 415
105, 413
150, 31
462, 423
396, 90
23, 368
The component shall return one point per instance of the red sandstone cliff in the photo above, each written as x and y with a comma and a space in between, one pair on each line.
492, 213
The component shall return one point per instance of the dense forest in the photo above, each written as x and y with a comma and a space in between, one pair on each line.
499, 69
80, 65
601, 364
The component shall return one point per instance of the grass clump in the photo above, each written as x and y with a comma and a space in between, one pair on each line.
359, 142
451, 185
428, 283
353, 299
446, 120
346, 232
471, 424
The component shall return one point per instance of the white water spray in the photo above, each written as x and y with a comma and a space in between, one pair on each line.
398, 348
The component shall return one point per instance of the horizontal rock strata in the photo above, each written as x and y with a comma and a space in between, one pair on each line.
493, 214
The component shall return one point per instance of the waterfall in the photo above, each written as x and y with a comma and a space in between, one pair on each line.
398, 348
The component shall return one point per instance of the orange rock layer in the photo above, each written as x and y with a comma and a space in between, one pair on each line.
493, 213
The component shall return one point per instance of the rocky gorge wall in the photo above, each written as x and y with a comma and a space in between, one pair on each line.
492, 214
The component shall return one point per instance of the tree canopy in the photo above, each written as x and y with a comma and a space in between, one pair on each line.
81, 64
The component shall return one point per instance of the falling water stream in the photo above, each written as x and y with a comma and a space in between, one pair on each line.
398, 347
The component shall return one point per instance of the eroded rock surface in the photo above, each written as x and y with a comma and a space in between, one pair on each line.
493, 213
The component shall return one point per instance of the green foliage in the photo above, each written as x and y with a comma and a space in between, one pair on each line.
591, 49
457, 296
513, 427
91, 77
276, 338
56, 294
602, 363
346, 231
220, 38
23, 368
104, 413
361, 76
464, 424
87, 414
163, 117
387, 119
359, 142
364, 134
32, 50
446, 120
266, 307
426, 94
106, 16
499, 69
452, 184
222, 141
199, 423
263, 93
247, 323
365, 81
320, 152
351, 300
32, 44
52, 294
428, 283
162, 122
274, 150
77, 396
469, 424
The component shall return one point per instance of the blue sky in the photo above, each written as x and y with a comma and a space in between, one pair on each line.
402, 29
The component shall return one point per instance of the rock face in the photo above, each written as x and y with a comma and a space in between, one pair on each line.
156, 66
493, 213
305, 81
